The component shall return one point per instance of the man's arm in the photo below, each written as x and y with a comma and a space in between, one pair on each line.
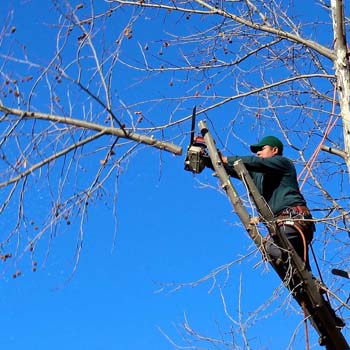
260, 165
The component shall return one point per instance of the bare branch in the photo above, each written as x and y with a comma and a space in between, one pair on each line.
122, 133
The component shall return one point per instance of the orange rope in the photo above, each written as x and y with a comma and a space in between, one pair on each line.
300, 231
330, 125
302, 237
306, 327
303, 304
307, 168
304, 242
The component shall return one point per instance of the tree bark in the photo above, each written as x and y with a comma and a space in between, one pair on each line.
342, 72
118, 132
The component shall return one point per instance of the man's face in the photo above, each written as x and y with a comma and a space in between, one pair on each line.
267, 152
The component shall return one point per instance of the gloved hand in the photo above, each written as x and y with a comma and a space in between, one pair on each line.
207, 161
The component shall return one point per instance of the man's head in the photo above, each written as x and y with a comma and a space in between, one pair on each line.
268, 147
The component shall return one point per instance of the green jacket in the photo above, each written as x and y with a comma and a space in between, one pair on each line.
275, 178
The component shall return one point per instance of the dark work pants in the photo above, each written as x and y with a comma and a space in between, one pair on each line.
297, 242
295, 239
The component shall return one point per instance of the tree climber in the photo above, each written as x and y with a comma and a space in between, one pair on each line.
276, 179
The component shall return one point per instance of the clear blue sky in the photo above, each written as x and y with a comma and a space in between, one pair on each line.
170, 230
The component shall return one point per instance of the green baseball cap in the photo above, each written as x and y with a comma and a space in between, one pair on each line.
269, 141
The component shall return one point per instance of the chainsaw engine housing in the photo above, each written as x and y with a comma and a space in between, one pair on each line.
194, 159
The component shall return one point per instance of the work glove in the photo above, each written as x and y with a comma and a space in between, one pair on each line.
207, 161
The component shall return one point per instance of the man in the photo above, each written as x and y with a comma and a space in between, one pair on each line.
276, 179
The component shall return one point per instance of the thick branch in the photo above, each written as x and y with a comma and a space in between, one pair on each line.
264, 28
334, 151
277, 31
342, 71
122, 133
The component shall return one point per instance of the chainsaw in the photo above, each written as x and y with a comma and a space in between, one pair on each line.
197, 155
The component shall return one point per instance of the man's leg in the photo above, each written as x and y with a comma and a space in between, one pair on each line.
299, 244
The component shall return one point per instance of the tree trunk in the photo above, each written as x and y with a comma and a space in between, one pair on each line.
341, 65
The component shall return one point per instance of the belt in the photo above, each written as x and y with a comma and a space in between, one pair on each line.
297, 210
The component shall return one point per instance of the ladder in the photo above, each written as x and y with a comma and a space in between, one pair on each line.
305, 289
